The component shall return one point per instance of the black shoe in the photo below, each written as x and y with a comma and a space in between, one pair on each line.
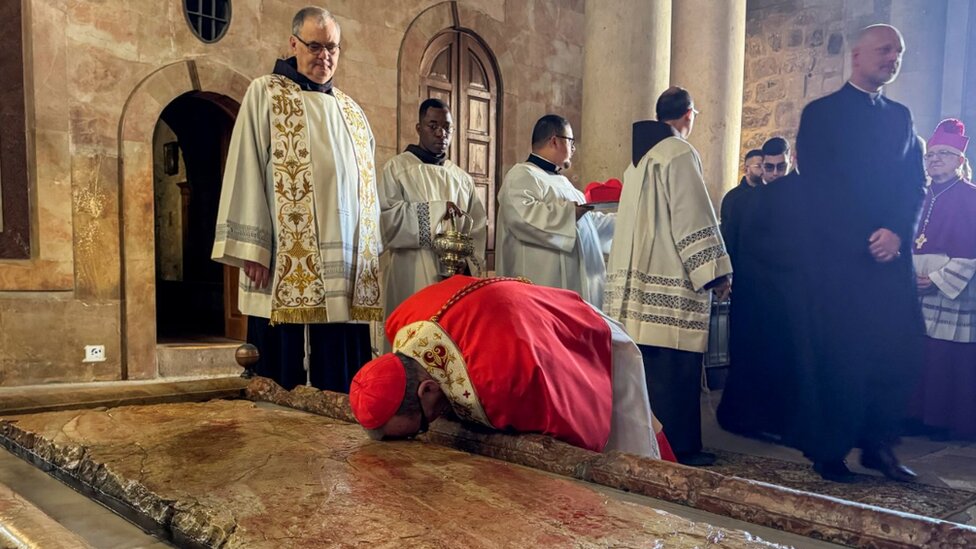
696, 459
883, 459
834, 471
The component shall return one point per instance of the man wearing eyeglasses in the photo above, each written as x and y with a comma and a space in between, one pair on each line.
944, 250
546, 232
299, 215
861, 162
667, 259
420, 191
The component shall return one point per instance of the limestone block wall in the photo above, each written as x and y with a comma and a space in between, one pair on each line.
796, 51
799, 50
100, 73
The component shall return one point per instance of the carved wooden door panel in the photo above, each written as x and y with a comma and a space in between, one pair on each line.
459, 70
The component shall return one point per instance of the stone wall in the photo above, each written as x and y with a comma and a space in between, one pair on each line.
100, 73
796, 51
799, 50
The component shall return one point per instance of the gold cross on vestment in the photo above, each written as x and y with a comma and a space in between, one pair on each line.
920, 241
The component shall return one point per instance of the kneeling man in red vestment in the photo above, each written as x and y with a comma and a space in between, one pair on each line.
511, 356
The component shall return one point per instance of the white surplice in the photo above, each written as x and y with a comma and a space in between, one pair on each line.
413, 199
539, 237
668, 248
245, 225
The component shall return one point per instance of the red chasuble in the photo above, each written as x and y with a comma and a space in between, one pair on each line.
513, 356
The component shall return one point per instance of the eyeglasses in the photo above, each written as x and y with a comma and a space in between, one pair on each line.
781, 167
572, 140
941, 154
315, 48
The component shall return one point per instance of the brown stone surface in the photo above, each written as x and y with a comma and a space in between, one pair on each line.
231, 474
54, 397
790, 510
23, 525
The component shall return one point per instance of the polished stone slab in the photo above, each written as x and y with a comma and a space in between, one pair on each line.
24, 525
74, 396
233, 474
790, 510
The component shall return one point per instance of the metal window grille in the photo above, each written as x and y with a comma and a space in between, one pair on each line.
208, 19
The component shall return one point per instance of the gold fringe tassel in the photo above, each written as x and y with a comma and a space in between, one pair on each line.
313, 315
367, 313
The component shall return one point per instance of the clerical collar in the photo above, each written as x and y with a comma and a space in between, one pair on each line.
426, 156
546, 166
873, 96
289, 69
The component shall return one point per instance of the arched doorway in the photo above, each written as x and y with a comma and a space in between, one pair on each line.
460, 70
196, 298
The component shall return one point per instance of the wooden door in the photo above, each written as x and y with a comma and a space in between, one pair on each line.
459, 70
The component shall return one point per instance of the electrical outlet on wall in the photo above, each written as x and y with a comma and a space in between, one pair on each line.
94, 353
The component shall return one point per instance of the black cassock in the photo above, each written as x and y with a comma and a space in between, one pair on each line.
862, 170
769, 321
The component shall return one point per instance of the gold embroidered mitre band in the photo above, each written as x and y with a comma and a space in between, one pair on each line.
427, 343
298, 291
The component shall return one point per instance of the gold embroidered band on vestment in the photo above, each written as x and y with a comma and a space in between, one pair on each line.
298, 287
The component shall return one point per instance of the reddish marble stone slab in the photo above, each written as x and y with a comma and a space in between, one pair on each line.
232, 474
803, 513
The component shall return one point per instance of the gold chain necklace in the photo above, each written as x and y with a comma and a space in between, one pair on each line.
476, 285
921, 240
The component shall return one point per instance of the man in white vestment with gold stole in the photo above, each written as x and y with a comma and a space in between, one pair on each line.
667, 255
300, 216
546, 232
420, 190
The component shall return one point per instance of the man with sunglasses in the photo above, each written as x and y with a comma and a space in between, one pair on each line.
299, 215
572, 373
546, 233
777, 159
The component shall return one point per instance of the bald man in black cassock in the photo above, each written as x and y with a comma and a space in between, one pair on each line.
862, 164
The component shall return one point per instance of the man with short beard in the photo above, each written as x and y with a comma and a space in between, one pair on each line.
737, 201
419, 190
545, 231
862, 166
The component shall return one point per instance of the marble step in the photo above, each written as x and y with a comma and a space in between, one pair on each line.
175, 360
24, 525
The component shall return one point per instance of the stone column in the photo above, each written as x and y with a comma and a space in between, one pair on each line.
626, 62
919, 85
707, 56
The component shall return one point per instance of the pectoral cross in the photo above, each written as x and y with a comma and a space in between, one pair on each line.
920, 241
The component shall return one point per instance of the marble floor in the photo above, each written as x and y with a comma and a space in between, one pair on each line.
947, 463
239, 474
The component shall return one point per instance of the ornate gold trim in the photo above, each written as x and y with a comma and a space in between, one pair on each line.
427, 343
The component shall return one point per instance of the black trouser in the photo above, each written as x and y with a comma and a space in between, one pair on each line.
338, 351
674, 388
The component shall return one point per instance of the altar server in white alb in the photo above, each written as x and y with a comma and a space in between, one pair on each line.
299, 214
546, 233
420, 190
667, 255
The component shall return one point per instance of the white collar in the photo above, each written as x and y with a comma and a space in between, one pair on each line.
874, 95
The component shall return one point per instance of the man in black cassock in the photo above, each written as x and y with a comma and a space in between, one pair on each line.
758, 399
738, 201
862, 169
